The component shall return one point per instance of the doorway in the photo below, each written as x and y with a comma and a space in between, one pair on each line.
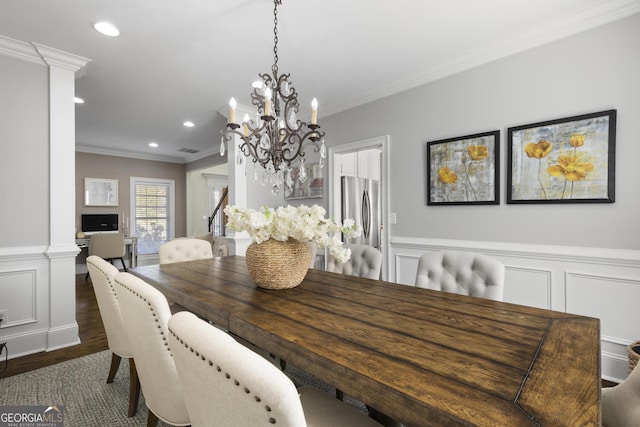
341, 163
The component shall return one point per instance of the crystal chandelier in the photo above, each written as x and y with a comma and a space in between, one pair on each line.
275, 138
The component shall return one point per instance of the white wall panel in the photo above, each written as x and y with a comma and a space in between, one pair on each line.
528, 286
18, 290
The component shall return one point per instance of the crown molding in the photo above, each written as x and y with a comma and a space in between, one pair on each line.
43, 55
187, 158
20, 50
561, 27
57, 58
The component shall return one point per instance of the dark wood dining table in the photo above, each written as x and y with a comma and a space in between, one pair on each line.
422, 357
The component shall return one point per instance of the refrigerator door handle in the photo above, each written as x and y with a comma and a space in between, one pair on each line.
366, 214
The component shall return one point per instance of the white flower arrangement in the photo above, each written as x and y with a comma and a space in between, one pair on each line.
303, 223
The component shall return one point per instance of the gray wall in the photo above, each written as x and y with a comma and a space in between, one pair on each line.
24, 153
593, 71
122, 169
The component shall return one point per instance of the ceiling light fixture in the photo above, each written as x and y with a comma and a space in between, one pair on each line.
78, 100
153, 144
106, 28
188, 124
276, 137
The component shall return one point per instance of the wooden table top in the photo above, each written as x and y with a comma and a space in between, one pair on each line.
422, 357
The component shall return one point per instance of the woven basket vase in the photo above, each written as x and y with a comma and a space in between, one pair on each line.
278, 265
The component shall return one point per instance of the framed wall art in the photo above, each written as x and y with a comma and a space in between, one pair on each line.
570, 160
312, 187
464, 170
100, 192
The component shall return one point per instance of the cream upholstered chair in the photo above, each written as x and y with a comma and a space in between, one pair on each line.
219, 244
465, 273
184, 249
621, 404
146, 313
365, 261
108, 246
227, 384
313, 249
102, 275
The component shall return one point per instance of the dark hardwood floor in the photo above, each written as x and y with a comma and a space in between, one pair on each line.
91, 331
92, 336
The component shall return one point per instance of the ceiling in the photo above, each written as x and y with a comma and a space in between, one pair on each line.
183, 60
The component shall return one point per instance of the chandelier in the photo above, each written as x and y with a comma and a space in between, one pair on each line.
275, 137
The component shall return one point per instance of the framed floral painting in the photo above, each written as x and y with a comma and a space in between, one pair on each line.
570, 160
464, 170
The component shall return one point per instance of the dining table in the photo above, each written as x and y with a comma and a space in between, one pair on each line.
421, 357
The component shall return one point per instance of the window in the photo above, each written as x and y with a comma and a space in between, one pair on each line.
153, 208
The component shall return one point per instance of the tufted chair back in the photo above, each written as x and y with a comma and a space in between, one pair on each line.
102, 274
184, 249
465, 273
621, 404
365, 261
227, 384
102, 277
146, 313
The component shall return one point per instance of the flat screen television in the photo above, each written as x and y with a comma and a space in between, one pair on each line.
99, 222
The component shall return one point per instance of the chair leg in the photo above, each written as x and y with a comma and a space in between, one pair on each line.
123, 264
134, 388
339, 394
115, 364
86, 276
152, 420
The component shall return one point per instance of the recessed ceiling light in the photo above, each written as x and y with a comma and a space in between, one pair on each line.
188, 124
78, 100
153, 144
106, 28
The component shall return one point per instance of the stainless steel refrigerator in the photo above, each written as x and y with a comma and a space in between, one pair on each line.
361, 202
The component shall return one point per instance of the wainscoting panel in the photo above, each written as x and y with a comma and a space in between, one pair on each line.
528, 286
18, 291
595, 282
37, 288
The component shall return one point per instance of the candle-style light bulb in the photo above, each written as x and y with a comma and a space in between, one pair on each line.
245, 121
314, 112
232, 110
267, 101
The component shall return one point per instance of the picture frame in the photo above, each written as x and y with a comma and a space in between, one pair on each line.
568, 160
100, 192
311, 188
464, 170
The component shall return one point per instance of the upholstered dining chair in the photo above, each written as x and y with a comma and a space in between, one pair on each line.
365, 261
146, 313
102, 275
460, 272
313, 249
621, 404
184, 249
108, 246
227, 384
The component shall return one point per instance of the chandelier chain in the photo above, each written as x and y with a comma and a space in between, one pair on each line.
275, 37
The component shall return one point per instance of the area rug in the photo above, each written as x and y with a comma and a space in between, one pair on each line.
80, 386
